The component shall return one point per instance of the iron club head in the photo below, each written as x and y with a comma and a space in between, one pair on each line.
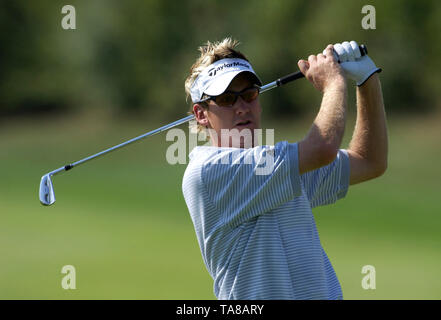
47, 195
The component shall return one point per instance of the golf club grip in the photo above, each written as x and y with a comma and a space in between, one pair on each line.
298, 75
290, 77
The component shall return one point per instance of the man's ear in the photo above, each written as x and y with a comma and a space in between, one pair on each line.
201, 115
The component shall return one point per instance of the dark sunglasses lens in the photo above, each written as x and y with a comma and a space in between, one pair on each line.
250, 95
226, 99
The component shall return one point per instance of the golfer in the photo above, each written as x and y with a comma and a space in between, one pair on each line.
255, 228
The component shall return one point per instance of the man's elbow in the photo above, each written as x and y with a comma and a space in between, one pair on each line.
328, 153
315, 155
379, 168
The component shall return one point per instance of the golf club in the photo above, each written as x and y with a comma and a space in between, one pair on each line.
47, 195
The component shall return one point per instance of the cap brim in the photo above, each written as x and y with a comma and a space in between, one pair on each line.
221, 84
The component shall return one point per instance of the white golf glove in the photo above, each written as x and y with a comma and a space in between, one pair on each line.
356, 66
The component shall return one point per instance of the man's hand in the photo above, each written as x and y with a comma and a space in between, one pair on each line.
323, 70
357, 67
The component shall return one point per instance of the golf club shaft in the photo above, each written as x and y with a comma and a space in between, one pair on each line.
277, 83
264, 88
151, 133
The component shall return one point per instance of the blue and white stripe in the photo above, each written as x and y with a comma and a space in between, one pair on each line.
256, 233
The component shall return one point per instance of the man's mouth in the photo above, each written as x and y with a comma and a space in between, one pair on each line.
243, 123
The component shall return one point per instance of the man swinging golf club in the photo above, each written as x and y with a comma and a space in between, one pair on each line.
256, 232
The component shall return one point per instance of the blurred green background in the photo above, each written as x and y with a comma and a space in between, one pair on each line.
121, 221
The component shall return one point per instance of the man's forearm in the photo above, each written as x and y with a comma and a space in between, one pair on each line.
369, 140
323, 140
328, 127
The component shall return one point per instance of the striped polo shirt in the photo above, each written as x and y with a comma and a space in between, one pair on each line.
255, 229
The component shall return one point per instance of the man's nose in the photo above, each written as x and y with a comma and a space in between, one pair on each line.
241, 105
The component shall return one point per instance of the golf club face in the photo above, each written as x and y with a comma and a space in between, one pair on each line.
47, 195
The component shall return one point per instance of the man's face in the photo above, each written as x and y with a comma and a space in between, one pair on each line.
241, 115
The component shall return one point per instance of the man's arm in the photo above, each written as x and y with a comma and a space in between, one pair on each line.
369, 145
323, 140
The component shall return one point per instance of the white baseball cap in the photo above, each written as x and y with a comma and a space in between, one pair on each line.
216, 78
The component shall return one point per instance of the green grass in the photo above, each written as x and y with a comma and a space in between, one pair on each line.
122, 220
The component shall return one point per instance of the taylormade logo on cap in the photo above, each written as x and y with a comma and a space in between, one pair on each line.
213, 71
215, 78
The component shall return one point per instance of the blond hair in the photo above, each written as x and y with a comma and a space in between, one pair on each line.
210, 53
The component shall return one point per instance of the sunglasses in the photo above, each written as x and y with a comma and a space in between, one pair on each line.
229, 98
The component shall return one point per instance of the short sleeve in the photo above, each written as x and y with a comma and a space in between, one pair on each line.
327, 184
247, 183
